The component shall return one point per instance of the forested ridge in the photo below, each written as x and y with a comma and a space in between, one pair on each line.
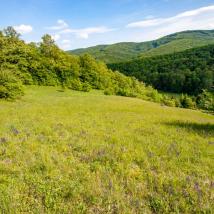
189, 71
126, 51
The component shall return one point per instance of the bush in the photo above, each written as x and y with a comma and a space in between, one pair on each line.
10, 86
86, 87
122, 92
206, 100
153, 95
75, 84
187, 102
178, 103
109, 91
169, 102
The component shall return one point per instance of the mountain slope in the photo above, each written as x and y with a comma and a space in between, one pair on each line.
188, 71
128, 50
177, 46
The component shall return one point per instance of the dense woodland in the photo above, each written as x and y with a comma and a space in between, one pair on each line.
45, 64
188, 72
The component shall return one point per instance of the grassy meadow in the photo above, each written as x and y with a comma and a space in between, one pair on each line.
76, 152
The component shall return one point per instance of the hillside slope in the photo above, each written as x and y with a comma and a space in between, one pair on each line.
77, 152
188, 71
46, 64
128, 50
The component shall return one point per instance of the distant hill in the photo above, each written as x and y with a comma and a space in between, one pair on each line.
126, 51
188, 71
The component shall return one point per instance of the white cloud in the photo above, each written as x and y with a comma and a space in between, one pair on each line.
201, 18
196, 12
23, 29
63, 28
56, 37
84, 33
146, 23
61, 24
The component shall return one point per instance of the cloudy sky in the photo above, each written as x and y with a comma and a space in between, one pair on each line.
83, 23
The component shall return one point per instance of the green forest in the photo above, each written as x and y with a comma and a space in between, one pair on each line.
45, 64
189, 71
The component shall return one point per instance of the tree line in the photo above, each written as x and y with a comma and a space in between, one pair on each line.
46, 64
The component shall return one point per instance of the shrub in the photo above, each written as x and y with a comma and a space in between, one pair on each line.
109, 91
187, 102
169, 102
10, 86
153, 94
86, 87
177, 103
75, 84
206, 100
122, 92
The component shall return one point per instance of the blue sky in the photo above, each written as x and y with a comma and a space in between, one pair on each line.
83, 23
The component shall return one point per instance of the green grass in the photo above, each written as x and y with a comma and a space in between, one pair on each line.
177, 46
73, 152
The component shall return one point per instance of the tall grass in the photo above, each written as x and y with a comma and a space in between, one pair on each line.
75, 152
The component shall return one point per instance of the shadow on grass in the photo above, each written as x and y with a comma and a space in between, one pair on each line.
60, 90
204, 129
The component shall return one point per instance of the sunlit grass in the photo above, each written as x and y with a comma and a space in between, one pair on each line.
74, 152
